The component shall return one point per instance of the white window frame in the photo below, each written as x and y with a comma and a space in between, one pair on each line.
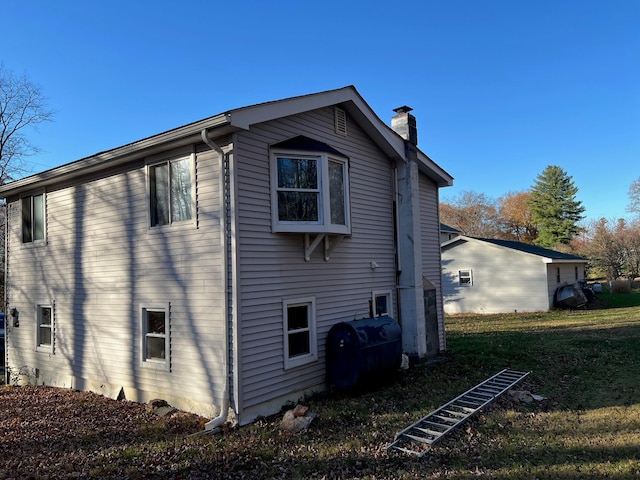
469, 276
40, 347
150, 197
382, 293
323, 224
158, 364
33, 240
312, 355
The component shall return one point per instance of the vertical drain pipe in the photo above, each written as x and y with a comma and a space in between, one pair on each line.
214, 423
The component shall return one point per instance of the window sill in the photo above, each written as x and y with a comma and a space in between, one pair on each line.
172, 227
300, 361
310, 228
37, 244
156, 365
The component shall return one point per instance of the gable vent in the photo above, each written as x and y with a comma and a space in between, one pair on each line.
341, 121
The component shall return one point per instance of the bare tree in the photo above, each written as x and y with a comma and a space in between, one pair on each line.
22, 107
474, 214
634, 197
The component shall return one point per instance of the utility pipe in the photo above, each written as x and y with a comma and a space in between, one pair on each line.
214, 423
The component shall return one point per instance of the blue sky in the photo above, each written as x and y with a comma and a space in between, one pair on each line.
500, 89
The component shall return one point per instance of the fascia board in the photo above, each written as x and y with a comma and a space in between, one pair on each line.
459, 238
434, 171
240, 119
544, 258
126, 153
564, 260
390, 142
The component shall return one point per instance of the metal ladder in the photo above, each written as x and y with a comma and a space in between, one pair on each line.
419, 437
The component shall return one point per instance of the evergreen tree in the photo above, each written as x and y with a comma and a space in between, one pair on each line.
554, 207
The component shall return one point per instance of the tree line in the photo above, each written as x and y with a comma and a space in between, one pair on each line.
550, 216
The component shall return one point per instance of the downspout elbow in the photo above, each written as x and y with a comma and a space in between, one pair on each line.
213, 424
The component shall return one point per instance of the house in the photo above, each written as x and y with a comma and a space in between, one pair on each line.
205, 265
481, 275
447, 232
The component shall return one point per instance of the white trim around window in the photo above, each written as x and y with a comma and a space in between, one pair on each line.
171, 190
382, 303
45, 327
299, 324
310, 193
465, 277
155, 328
33, 214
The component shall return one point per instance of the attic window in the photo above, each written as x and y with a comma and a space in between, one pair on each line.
341, 121
309, 188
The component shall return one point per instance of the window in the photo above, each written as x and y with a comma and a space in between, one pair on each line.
170, 191
381, 304
310, 193
155, 336
44, 328
300, 337
558, 275
33, 218
465, 278
576, 273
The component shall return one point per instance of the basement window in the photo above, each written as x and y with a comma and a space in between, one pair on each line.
300, 345
154, 320
309, 188
381, 304
44, 328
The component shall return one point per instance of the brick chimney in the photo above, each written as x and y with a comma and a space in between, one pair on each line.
404, 124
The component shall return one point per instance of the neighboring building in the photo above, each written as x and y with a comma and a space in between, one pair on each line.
447, 233
205, 265
481, 275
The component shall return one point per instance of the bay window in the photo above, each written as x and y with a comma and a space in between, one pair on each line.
310, 192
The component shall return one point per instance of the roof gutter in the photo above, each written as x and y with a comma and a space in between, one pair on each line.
213, 424
148, 146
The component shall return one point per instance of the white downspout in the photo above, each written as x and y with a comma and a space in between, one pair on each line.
214, 423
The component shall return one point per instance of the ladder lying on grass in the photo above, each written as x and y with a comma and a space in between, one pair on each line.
418, 438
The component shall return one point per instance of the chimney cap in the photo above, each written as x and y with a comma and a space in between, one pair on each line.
403, 109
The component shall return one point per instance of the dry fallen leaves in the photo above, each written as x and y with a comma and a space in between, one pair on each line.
57, 433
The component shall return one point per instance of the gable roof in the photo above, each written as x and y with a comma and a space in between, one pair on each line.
446, 228
232, 121
548, 255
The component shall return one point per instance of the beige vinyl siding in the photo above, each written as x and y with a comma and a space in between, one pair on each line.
567, 276
100, 264
272, 266
430, 233
504, 280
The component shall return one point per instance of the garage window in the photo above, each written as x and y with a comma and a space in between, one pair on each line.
465, 278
